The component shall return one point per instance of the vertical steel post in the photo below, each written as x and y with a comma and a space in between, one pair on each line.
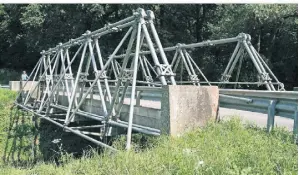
64, 70
131, 111
47, 67
147, 64
70, 69
266, 66
189, 63
231, 59
182, 70
254, 62
178, 60
101, 67
185, 63
260, 64
105, 66
151, 16
271, 115
153, 53
239, 54
239, 70
142, 66
29, 92
174, 58
55, 87
76, 85
119, 80
98, 82
39, 63
295, 127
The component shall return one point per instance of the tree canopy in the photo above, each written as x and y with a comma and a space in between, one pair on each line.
27, 29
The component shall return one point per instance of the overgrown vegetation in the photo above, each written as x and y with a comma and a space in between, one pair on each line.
7, 75
27, 29
16, 131
6, 99
220, 148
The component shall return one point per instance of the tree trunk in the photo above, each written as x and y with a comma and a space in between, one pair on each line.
117, 11
272, 43
258, 44
200, 21
162, 11
198, 33
259, 34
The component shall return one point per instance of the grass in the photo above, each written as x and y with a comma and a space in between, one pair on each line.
6, 99
220, 148
16, 130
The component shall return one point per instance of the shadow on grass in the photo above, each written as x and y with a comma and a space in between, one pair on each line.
21, 140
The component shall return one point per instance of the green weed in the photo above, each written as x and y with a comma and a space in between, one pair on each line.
227, 147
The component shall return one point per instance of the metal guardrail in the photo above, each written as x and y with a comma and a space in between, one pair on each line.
4, 86
273, 103
284, 104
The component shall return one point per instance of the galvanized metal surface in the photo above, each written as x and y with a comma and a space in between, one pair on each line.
4, 86
111, 82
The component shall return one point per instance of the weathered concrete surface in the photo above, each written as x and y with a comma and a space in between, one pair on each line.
188, 107
16, 86
142, 115
184, 108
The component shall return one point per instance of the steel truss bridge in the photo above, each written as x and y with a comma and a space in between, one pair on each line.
78, 70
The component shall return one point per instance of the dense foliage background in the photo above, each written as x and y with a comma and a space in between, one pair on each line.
25, 30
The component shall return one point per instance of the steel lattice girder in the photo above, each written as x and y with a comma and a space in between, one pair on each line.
54, 73
55, 70
244, 46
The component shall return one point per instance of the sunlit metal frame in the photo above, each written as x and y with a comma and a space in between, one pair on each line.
54, 74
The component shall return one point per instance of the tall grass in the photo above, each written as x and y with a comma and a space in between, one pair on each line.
220, 148
6, 99
16, 130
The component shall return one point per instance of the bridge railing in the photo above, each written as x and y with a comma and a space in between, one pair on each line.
272, 103
284, 104
4, 86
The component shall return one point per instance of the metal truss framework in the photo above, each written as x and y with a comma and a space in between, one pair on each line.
243, 48
55, 74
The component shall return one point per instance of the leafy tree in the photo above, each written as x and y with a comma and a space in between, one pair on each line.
27, 29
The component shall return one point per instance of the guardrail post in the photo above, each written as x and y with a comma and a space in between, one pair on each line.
138, 96
91, 94
295, 128
271, 115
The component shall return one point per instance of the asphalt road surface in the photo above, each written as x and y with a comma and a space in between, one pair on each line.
256, 118
225, 114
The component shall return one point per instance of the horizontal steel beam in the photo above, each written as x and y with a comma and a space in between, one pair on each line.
87, 127
141, 129
97, 33
288, 95
67, 128
188, 46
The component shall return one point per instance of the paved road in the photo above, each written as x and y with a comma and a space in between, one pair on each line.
256, 118
226, 114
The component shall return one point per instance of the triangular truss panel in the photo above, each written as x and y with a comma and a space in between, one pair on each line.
182, 61
78, 70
